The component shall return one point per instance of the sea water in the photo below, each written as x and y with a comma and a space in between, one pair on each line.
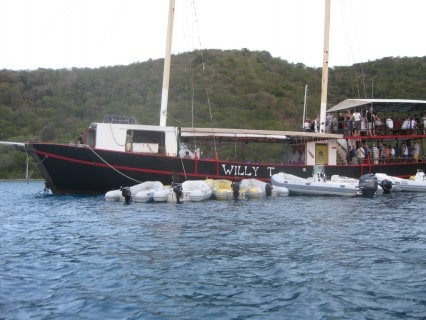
80, 257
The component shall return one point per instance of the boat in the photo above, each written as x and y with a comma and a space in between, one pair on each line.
319, 185
256, 189
120, 152
389, 183
114, 195
281, 191
164, 195
314, 185
197, 190
141, 192
222, 188
416, 183
147, 193
190, 190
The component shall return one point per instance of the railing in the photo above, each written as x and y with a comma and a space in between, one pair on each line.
346, 128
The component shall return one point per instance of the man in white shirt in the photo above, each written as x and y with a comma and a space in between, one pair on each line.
356, 117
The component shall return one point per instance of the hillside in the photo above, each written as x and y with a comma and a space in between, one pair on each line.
239, 89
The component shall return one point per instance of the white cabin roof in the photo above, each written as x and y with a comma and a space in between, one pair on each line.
382, 105
240, 134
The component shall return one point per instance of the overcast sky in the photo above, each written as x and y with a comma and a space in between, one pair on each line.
94, 33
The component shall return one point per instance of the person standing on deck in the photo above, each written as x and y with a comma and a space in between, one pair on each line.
351, 155
348, 122
404, 151
413, 123
382, 153
392, 153
424, 124
317, 123
416, 151
340, 120
375, 153
360, 154
367, 154
397, 124
356, 118
370, 117
307, 125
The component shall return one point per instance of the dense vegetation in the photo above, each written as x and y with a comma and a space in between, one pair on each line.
239, 89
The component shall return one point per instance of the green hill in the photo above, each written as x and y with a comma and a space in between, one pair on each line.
214, 88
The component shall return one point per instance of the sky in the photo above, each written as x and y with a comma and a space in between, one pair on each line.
59, 34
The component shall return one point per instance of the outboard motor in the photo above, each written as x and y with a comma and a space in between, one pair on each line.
268, 189
177, 189
235, 189
368, 185
126, 193
386, 186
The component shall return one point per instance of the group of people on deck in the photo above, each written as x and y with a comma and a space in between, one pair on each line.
356, 123
331, 124
407, 150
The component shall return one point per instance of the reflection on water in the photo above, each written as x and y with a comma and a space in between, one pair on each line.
68, 257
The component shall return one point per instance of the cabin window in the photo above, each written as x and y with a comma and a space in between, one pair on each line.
145, 141
296, 154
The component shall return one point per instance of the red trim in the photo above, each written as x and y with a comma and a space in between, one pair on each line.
97, 164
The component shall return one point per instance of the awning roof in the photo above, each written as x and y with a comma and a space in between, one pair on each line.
382, 105
259, 135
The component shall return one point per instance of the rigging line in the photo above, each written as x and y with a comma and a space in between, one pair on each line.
114, 21
109, 165
192, 107
41, 161
348, 46
113, 136
190, 73
204, 68
198, 33
192, 102
348, 35
346, 31
183, 167
359, 53
211, 120
59, 17
197, 25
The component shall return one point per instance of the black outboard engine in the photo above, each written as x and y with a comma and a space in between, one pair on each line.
386, 186
268, 189
235, 189
126, 193
177, 189
368, 185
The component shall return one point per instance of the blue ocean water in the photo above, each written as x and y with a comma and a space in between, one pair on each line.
79, 257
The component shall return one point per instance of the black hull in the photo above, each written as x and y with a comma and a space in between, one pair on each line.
78, 169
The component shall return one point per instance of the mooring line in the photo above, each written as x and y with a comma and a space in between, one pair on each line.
109, 165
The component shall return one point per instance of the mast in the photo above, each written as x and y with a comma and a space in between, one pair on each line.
304, 107
167, 59
324, 81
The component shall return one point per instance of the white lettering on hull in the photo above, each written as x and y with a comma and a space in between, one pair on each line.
244, 170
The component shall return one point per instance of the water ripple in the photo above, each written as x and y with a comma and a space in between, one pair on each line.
68, 257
